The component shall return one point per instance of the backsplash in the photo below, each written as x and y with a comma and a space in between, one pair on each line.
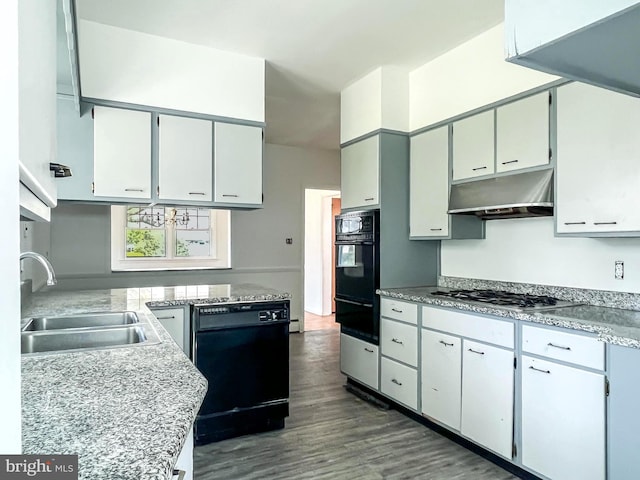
629, 301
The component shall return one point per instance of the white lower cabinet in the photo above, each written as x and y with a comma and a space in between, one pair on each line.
487, 396
563, 421
441, 377
359, 360
399, 382
173, 321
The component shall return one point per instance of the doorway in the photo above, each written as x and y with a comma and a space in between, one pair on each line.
321, 206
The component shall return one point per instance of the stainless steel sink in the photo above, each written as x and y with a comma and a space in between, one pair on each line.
87, 320
72, 339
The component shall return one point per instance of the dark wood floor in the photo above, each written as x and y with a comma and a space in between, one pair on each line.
332, 434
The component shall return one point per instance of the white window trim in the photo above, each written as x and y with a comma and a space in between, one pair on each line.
121, 263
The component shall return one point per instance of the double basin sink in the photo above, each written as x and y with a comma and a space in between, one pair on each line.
90, 331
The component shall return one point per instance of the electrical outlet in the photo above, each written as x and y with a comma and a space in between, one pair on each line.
288, 241
619, 270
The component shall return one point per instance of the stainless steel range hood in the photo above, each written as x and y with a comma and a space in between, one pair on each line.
518, 195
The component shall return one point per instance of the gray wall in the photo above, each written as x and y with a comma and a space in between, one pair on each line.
80, 244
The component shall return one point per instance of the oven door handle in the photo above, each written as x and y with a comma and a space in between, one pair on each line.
351, 302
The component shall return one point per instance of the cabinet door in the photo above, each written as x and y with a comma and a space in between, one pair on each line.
121, 153
237, 164
563, 415
522, 133
360, 173
429, 184
359, 360
185, 158
75, 149
598, 160
441, 377
172, 319
487, 396
623, 421
473, 146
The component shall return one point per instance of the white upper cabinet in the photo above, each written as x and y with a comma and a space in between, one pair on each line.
522, 133
598, 161
360, 173
429, 184
36, 89
185, 158
473, 146
122, 153
237, 164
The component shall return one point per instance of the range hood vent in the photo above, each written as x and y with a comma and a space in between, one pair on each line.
518, 195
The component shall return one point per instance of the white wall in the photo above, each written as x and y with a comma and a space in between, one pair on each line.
126, 66
80, 241
317, 251
525, 250
10, 399
378, 100
468, 77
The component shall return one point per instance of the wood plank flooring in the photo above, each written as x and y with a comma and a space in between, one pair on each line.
332, 434
318, 322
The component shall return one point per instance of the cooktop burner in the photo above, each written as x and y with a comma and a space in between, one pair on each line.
518, 301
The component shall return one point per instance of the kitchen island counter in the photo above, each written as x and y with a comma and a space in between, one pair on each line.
612, 325
125, 411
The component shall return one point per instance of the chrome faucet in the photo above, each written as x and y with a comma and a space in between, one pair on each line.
51, 276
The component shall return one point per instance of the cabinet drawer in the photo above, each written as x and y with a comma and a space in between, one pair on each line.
407, 312
359, 360
488, 330
568, 347
399, 382
172, 319
400, 341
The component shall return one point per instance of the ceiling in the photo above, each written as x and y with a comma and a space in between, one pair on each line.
313, 48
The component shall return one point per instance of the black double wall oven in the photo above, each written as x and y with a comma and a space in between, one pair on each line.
357, 256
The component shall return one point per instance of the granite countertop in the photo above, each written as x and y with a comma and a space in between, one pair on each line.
612, 325
125, 411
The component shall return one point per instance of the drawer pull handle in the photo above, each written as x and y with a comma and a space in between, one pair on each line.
575, 223
605, 223
396, 382
539, 369
368, 199
197, 193
166, 318
509, 161
436, 229
476, 351
395, 340
134, 190
446, 344
479, 168
368, 350
396, 310
229, 195
558, 346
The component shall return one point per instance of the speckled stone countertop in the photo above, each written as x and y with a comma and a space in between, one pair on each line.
125, 411
612, 325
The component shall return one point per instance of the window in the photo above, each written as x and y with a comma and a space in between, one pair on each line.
169, 238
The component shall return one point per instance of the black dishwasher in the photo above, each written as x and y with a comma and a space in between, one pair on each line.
242, 349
